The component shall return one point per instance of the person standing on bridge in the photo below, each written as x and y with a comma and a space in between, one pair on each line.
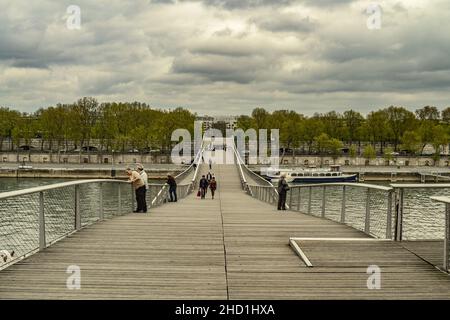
210, 164
209, 176
138, 184
172, 188
203, 186
213, 186
283, 188
144, 177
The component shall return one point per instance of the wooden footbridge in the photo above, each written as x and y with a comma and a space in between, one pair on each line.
233, 247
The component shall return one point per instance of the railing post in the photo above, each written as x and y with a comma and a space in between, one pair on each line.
399, 215
77, 208
119, 199
344, 200
290, 198
101, 213
389, 216
367, 222
299, 198
42, 241
310, 200
447, 237
324, 192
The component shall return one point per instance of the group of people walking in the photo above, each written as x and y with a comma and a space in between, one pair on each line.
208, 181
139, 179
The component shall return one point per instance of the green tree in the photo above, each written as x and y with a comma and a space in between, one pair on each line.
388, 154
8, 120
400, 120
353, 126
428, 113
335, 147
440, 138
245, 122
411, 142
312, 127
376, 128
352, 152
369, 153
445, 114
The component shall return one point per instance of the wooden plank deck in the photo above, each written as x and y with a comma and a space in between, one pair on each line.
234, 247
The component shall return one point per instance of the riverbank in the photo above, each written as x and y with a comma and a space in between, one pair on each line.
87, 171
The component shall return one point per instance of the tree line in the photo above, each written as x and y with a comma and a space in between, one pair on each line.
385, 131
115, 126
121, 126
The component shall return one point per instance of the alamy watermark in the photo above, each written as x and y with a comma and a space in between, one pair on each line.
73, 21
252, 147
374, 21
374, 280
74, 280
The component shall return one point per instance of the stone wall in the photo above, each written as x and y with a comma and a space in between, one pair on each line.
74, 158
359, 161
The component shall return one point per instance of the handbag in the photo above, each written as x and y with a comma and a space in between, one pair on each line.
199, 193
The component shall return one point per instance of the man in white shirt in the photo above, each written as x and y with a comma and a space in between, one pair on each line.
144, 177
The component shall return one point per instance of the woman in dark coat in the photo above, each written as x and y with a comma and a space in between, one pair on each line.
213, 186
283, 188
172, 188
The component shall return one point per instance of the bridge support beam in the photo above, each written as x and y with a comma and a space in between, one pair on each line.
77, 208
42, 241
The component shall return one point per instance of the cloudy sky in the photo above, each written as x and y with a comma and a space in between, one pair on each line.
227, 56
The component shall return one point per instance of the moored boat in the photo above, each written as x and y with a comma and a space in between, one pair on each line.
311, 175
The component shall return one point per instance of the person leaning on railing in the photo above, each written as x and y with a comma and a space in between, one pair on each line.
283, 188
144, 177
172, 188
139, 186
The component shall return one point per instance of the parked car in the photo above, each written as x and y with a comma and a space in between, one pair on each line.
26, 148
89, 148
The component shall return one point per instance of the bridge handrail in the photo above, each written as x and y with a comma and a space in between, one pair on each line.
350, 184
197, 169
17, 193
183, 189
419, 185
446, 257
248, 187
442, 199
239, 165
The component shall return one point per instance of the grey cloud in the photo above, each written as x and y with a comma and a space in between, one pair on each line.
286, 23
234, 55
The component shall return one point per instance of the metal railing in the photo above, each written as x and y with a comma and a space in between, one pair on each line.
33, 219
183, 189
365, 207
417, 216
446, 255
254, 189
